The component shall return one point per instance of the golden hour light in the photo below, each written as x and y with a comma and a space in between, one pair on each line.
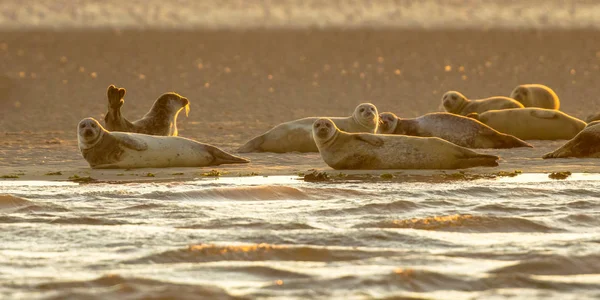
365, 149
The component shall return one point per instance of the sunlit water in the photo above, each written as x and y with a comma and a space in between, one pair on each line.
525, 237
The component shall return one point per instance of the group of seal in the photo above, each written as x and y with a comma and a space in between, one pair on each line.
150, 142
364, 140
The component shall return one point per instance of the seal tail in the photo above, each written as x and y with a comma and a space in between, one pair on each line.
479, 160
510, 141
222, 157
551, 155
252, 145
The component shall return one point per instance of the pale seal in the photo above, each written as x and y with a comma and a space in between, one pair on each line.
532, 123
160, 120
456, 103
456, 129
536, 95
342, 150
122, 150
585, 144
296, 136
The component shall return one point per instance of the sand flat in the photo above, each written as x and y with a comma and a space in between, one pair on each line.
241, 83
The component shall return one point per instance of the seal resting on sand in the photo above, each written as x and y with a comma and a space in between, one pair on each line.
160, 120
532, 123
456, 103
584, 144
536, 95
297, 135
343, 150
121, 150
456, 129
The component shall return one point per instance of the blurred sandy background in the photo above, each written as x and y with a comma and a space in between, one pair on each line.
246, 68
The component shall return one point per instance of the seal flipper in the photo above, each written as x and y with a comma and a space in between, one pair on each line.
132, 143
222, 157
113, 119
369, 138
544, 114
469, 159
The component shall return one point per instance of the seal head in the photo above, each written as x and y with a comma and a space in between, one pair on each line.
89, 133
387, 122
453, 101
367, 116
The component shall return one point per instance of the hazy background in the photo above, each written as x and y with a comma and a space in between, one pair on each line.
178, 14
247, 67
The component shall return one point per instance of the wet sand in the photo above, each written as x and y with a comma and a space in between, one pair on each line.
241, 83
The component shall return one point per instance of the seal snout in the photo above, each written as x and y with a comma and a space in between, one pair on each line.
185, 101
88, 132
323, 132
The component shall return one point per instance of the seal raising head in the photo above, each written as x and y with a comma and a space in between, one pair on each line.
89, 133
162, 117
366, 115
160, 120
387, 122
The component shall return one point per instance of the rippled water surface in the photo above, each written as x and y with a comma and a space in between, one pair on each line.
525, 236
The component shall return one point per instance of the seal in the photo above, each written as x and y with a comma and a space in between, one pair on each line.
459, 130
593, 117
122, 150
456, 103
296, 136
160, 120
585, 144
536, 95
341, 150
532, 123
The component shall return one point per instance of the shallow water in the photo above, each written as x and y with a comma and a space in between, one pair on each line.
524, 237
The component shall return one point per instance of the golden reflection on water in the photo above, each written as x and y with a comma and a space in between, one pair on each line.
435, 222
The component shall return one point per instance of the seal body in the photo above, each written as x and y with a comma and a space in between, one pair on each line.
296, 136
160, 120
120, 150
593, 117
342, 150
456, 103
462, 131
532, 123
585, 144
536, 95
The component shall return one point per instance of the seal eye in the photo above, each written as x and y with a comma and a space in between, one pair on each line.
453, 97
317, 125
82, 126
328, 125
362, 109
93, 125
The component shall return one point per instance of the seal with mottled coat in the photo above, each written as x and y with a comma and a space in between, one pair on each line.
462, 131
342, 150
532, 123
296, 136
456, 103
585, 144
122, 150
536, 95
160, 120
